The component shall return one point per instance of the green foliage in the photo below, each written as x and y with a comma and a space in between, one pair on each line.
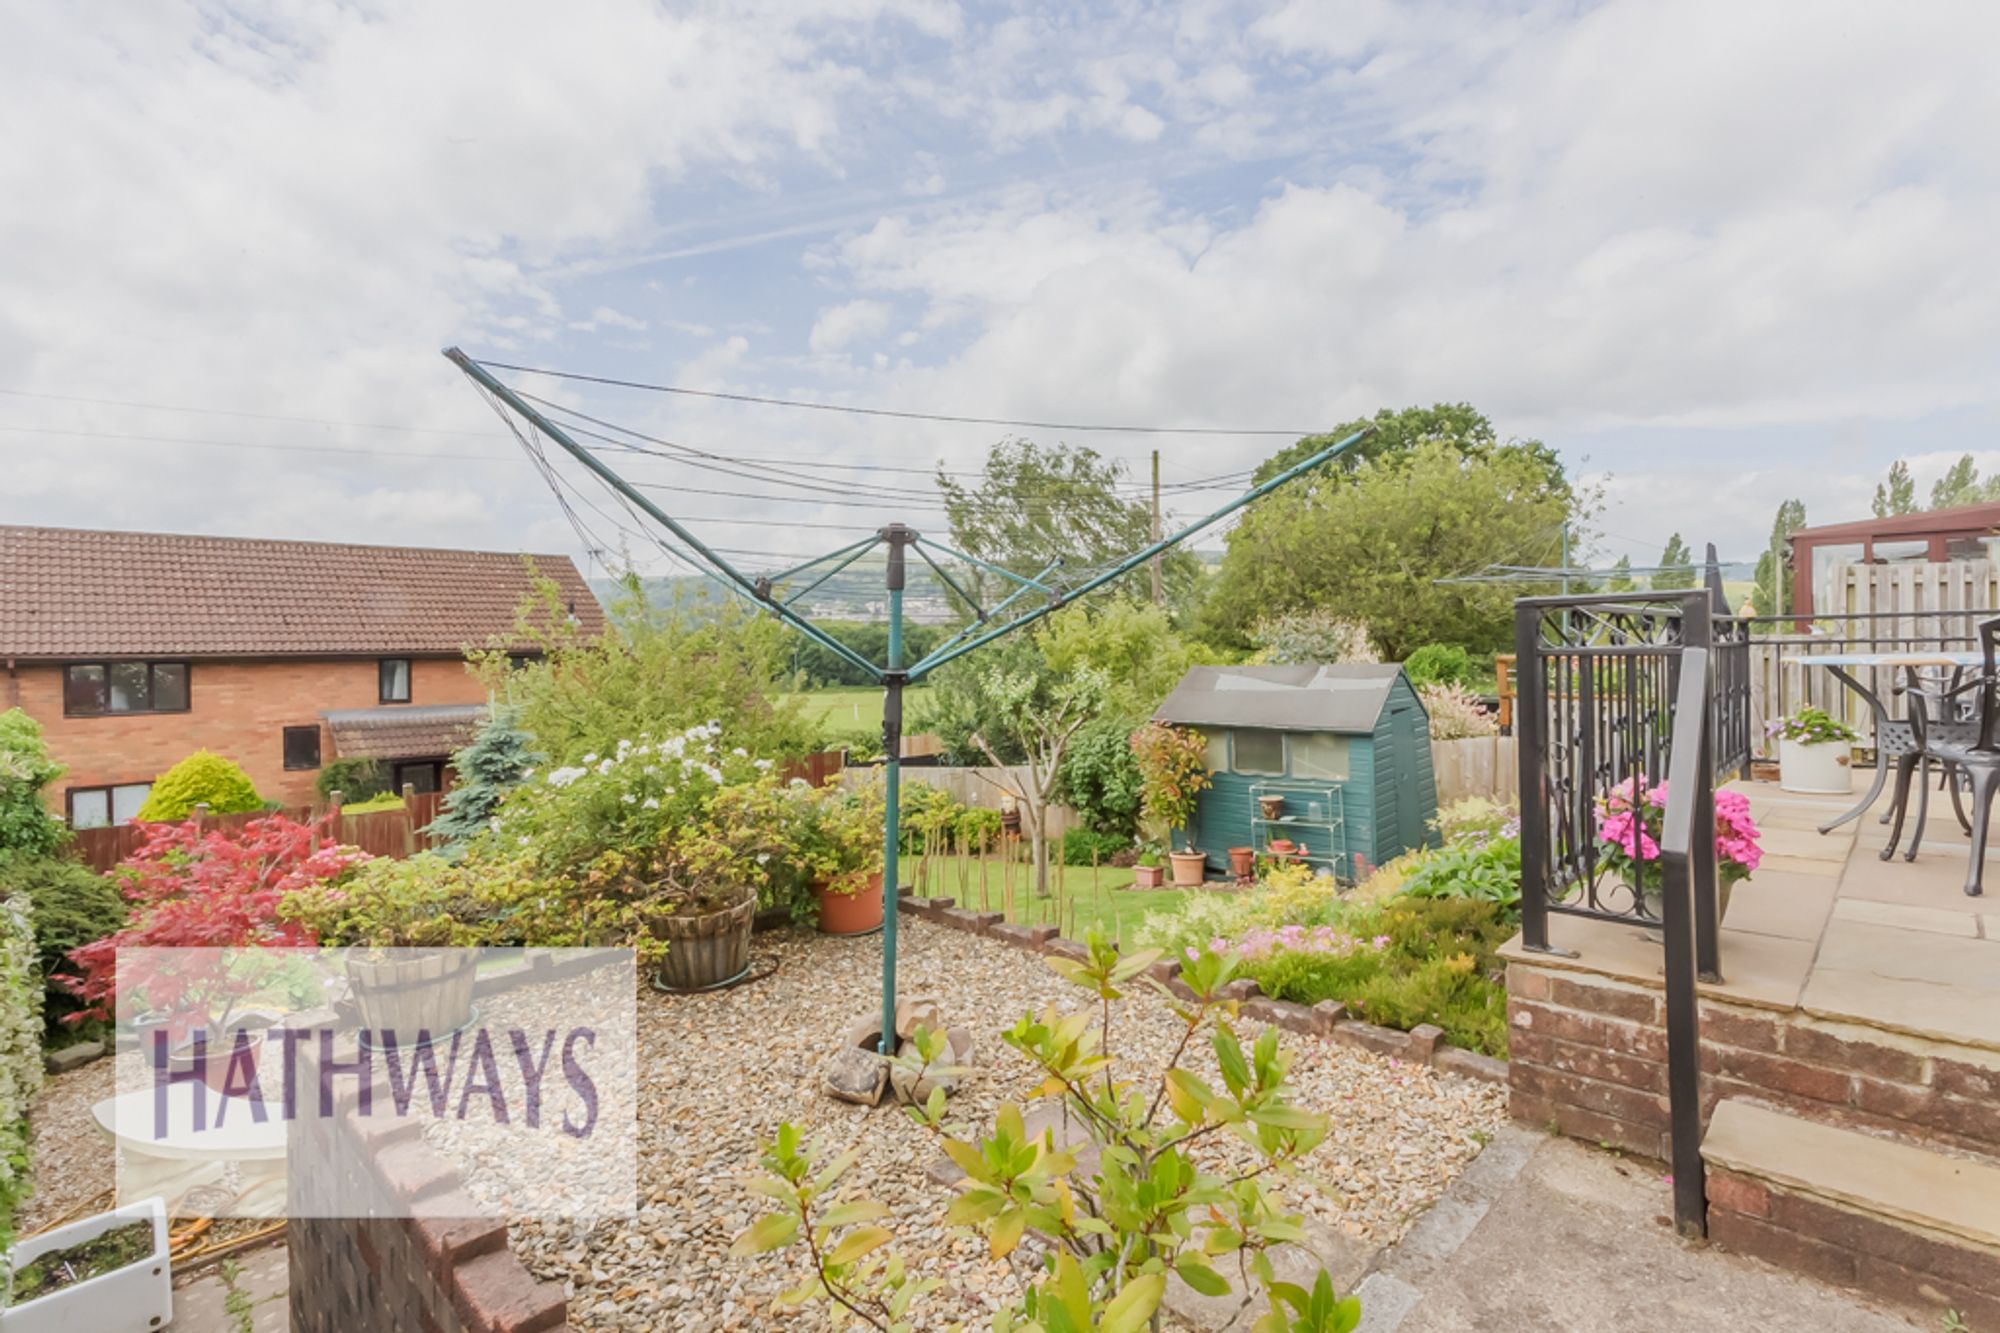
1100, 780
815, 666
496, 761
357, 780
1315, 635
659, 669
1960, 485
1812, 726
27, 829
1173, 768
70, 905
1772, 587
1456, 713
1132, 643
423, 901
203, 778
1621, 579
1086, 847
20, 1055
1898, 495
387, 800
1445, 664
1368, 544
1145, 1210
1676, 565
1483, 867
1039, 712
1033, 504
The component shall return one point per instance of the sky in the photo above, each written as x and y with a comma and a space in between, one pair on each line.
1717, 254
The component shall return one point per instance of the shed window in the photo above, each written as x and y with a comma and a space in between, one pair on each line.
1259, 752
301, 748
1316, 755
394, 679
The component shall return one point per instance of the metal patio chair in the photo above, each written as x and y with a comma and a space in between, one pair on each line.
1975, 762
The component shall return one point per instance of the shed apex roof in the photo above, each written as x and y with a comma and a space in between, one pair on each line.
1347, 697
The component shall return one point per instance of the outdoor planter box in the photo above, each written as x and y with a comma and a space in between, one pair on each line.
134, 1299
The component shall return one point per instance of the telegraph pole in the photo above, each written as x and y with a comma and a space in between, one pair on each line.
1159, 599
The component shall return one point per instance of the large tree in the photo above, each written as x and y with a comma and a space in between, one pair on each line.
1676, 569
1897, 495
1369, 543
1032, 504
1773, 563
1621, 576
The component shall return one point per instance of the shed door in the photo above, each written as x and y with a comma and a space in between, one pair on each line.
1402, 777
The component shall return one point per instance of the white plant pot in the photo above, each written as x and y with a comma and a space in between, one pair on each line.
134, 1299
1825, 766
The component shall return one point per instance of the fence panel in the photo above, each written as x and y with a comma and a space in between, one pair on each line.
980, 786
1487, 767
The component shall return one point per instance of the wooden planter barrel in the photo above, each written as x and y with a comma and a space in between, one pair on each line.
707, 950
412, 993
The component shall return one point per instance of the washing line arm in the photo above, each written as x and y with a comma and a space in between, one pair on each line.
980, 616
866, 543
1138, 558
998, 607
872, 543
758, 589
990, 568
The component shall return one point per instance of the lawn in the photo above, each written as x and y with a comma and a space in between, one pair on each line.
1078, 897
851, 707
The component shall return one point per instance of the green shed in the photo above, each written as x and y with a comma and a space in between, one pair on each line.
1334, 759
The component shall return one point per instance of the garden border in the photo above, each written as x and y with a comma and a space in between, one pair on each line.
1422, 1045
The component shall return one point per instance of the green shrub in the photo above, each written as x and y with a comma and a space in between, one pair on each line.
20, 1055
1083, 847
1480, 864
387, 800
356, 780
201, 778
1099, 777
27, 829
69, 905
1444, 664
978, 827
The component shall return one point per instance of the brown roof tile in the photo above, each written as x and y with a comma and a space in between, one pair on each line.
403, 731
67, 592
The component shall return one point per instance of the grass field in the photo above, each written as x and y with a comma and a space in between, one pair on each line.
1077, 898
851, 707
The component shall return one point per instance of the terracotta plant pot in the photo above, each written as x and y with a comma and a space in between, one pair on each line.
1283, 847
706, 950
850, 913
1190, 869
1242, 862
1271, 806
216, 1057
1148, 877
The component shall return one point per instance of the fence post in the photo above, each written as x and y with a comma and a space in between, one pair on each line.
409, 819
1699, 631
1684, 851
1530, 740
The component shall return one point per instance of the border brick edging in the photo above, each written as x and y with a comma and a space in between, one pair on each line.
1423, 1046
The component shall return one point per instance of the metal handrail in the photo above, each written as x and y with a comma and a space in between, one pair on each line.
1690, 791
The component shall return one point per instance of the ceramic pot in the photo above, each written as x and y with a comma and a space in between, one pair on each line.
850, 913
1148, 877
1190, 869
1271, 806
1823, 767
1242, 862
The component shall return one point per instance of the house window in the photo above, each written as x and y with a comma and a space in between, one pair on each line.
1259, 752
301, 748
522, 661
101, 807
91, 689
425, 776
393, 674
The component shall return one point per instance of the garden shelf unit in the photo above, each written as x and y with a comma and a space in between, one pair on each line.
1315, 817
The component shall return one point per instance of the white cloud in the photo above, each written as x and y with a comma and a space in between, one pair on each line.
840, 326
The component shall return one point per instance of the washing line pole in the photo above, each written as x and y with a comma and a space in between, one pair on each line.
894, 675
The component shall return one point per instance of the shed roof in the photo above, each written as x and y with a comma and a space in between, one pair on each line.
1344, 698
72, 593
404, 731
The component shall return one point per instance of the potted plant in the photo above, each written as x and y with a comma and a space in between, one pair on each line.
1173, 772
1242, 864
1271, 805
1815, 751
409, 930
1147, 872
1629, 825
108, 1274
201, 899
837, 840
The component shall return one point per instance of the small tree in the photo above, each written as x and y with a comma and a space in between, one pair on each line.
1676, 565
1146, 1208
27, 829
1173, 762
1314, 636
1041, 711
498, 758
203, 778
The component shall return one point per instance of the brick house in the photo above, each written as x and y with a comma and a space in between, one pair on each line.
134, 649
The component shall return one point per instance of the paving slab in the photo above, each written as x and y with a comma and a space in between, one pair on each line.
1903, 916
1940, 986
1574, 1238
1792, 907
200, 1298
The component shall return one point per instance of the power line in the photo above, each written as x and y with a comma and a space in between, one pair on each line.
892, 412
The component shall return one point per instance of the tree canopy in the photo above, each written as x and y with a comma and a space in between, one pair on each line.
1676, 565
1435, 494
1897, 495
1773, 563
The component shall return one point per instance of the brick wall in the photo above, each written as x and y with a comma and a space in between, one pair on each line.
1588, 1058
446, 1271
237, 709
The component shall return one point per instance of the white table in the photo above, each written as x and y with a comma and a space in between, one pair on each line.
1885, 733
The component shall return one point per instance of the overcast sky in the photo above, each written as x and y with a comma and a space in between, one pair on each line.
1722, 252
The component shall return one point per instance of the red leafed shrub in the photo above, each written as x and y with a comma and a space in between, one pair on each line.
208, 890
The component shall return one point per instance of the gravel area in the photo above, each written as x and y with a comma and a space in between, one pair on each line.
73, 1159
720, 1071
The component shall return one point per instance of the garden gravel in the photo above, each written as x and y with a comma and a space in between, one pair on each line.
719, 1072
73, 1161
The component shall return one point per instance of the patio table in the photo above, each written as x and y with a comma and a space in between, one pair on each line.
1892, 737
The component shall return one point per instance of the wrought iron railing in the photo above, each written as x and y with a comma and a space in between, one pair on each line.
1595, 715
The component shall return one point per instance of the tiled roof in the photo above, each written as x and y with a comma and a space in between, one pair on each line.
67, 592
403, 732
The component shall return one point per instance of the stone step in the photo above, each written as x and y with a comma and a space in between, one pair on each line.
1904, 1223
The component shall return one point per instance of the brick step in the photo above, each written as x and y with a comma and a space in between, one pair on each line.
1904, 1223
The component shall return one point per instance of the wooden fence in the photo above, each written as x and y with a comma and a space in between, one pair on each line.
981, 786
1478, 766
